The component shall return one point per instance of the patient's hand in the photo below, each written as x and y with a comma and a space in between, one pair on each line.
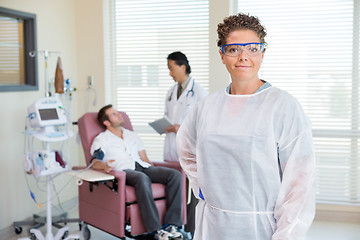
100, 165
107, 169
109, 166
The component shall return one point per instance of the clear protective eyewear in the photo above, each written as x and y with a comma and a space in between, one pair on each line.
235, 49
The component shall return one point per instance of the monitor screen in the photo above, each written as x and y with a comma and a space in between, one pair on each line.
48, 114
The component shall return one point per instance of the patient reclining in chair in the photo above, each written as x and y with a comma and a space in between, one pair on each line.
120, 149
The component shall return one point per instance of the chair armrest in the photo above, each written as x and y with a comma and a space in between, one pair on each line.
117, 174
175, 165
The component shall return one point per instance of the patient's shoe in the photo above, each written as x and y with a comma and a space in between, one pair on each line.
163, 235
174, 231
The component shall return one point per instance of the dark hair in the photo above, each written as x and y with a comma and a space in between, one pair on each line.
101, 116
241, 21
180, 59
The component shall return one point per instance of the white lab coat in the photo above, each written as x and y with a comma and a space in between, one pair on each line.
177, 109
253, 158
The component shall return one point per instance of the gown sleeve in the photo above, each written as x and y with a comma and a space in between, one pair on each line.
186, 147
295, 206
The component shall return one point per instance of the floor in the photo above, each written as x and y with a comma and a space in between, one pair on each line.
95, 234
320, 230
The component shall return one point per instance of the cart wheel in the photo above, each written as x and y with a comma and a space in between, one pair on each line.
18, 229
86, 233
32, 236
66, 233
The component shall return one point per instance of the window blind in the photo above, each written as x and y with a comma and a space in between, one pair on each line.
141, 35
11, 51
313, 52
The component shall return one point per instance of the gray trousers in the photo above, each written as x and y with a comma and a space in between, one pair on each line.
141, 179
190, 211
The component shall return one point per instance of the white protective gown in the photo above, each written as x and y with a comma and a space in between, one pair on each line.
252, 157
177, 109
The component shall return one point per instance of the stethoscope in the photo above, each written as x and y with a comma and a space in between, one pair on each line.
187, 94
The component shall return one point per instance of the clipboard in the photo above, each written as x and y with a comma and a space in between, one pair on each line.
161, 124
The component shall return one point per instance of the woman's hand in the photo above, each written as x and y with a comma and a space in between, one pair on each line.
174, 128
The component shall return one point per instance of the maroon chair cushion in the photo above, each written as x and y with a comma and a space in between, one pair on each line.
158, 190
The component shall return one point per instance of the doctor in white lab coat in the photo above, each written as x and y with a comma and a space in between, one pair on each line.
179, 101
248, 150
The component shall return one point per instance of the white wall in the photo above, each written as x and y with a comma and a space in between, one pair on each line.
56, 31
219, 76
90, 53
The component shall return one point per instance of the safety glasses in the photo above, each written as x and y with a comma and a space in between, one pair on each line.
235, 49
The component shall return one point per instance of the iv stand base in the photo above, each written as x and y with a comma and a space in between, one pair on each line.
59, 236
62, 233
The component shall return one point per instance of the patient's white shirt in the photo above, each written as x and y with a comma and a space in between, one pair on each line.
125, 151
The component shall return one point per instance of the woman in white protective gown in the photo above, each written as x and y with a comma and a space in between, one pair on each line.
248, 149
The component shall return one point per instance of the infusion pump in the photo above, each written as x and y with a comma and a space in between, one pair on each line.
47, 119
47, 115
46, 112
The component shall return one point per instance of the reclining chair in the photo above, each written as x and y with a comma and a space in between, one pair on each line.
111, 205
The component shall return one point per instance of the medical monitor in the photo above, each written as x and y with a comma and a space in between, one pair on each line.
46, 112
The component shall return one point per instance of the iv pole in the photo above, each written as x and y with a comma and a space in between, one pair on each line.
46, 54
49, 235
61, 234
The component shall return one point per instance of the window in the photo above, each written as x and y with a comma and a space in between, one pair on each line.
141, 35
18, 70
313, 52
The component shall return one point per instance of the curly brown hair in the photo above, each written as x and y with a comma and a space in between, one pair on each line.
240, 21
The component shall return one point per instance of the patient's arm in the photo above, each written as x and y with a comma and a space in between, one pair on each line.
97, 161
100, 165
144, 157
